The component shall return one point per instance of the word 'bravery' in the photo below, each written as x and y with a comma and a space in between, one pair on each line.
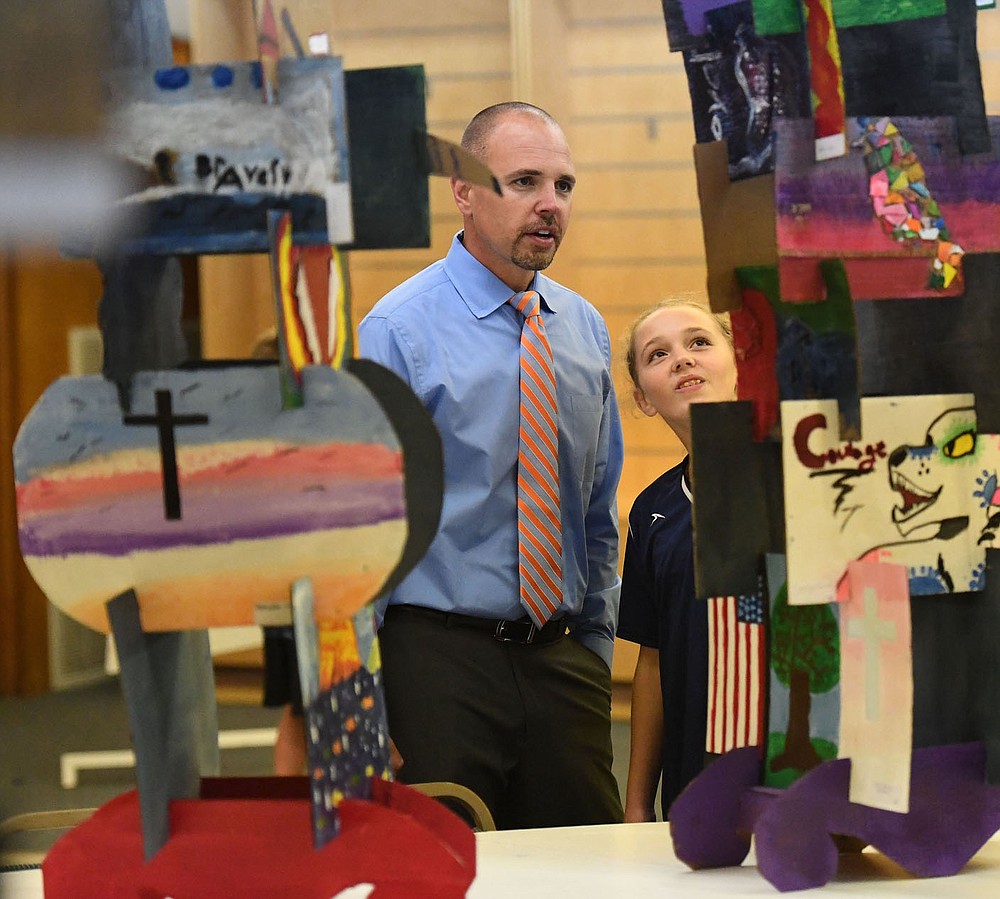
809, 459
222, 174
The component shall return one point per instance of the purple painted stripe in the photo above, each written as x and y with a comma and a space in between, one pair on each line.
209, 515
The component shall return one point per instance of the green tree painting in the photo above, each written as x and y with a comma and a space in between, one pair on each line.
805, 657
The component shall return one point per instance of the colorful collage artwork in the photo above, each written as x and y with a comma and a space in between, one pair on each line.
751, 75
901, 214
209, 499
864, 338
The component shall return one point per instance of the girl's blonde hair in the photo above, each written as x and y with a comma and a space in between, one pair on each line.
721, 319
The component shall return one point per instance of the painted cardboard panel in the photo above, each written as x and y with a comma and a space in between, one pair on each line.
827, 210
268, 53
169, 688
686, 20
796, 350
737, 672
737, 510
779, 16
934, 71
954, 337
261, 496
736, 219
755, 339
912, 488
312, 296
389, 195
217, 157
140, 316
804, 701
876, 683
739, 82
347, 731
825, 80
956, 694
423, 460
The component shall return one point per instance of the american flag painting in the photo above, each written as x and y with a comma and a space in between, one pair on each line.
737, 671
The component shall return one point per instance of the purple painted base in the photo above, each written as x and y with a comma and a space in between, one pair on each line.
953, 812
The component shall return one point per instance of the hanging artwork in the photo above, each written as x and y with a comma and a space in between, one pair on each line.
737, 511
934, 66
737, 669
804, 703
686, 20
915, 488
876, 683
814, 353
825, 80
778, 16
901, 200
828, 210
739, 83
950, 336
731, 213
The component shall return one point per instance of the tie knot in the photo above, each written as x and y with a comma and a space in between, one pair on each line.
527, 302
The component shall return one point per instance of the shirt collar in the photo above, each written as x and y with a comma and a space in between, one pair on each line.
481, 290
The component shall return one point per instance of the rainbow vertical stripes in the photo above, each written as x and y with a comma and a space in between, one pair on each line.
312, 293
539, 522
826, 79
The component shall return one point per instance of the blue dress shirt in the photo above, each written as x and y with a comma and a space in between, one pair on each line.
450, 335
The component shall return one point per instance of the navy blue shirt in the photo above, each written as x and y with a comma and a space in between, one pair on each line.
659, 609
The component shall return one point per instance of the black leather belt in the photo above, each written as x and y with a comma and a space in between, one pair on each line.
519, 630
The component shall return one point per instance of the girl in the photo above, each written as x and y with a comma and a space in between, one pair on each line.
678, 353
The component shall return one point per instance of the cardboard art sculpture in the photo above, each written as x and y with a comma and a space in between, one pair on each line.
846, 511
168, 496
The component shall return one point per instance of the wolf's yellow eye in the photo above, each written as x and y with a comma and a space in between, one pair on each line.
960, 446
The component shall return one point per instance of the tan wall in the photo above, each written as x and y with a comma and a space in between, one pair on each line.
42, 296
604, 69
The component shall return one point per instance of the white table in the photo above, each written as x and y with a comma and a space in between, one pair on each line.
636, 861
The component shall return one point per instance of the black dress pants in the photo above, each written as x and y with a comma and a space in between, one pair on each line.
525, 726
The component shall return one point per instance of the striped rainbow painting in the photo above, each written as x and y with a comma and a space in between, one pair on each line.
260, 496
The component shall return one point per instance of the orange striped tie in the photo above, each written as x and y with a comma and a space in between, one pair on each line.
539, 525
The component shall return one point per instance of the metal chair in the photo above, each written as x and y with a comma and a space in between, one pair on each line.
32, 822
464, 797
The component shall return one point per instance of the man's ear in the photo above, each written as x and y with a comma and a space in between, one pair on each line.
460, 190
644, 405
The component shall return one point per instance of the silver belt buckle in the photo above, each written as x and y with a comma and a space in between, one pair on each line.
515, 631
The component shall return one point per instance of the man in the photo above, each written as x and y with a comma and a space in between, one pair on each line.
478, 692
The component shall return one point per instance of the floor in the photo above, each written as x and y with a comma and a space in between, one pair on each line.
36, 731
